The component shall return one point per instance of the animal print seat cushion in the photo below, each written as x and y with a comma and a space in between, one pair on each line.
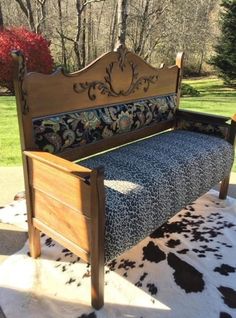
149, 181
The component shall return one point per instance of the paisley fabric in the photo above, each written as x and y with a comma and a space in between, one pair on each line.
149, 181
210, 129
73, 129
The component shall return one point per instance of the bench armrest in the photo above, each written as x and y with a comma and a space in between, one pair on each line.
61, 164
232, 132
201, 117
207, 123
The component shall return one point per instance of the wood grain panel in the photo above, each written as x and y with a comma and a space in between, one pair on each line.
61, 240
66, 221
64, 187
113, 78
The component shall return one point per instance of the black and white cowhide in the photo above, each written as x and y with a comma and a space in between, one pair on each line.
185, 269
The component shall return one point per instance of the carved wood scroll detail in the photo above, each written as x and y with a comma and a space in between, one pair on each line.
105, 87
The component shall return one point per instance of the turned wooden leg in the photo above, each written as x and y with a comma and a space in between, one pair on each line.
224, 188
34, 242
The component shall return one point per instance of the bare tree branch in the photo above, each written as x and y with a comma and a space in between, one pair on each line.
27, 10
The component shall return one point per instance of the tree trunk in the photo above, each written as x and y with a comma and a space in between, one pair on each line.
83, 44
113, 28
122, 19
41, 16
27, 10
90, 43
144, 22
1, 18
77, 39
30, 16
63, 45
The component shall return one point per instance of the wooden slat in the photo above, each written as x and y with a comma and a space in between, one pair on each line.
64, 220
61, 240
64, 187
114, 141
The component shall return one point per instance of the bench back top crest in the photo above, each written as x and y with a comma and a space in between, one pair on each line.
114, 78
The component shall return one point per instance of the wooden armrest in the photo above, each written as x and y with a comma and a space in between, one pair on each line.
216, 120
60, 163
202, 117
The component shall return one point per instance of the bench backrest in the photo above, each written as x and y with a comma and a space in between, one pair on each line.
116, 99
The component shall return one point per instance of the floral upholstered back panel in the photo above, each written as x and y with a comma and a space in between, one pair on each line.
70, 130
206, 128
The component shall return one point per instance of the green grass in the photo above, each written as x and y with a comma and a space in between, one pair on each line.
9, 134
215, 98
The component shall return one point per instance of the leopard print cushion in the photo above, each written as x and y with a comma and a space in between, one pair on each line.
149, 181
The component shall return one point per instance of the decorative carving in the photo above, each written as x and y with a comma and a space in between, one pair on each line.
122, 52
105, 87
19, 57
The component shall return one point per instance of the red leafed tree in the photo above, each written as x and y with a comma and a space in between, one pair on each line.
35, 48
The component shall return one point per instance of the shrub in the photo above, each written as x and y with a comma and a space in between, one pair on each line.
35, 48
188, 90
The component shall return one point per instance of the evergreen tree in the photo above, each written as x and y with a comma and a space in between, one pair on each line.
225, 58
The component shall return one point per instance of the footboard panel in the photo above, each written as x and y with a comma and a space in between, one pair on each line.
64, 187
58, 216
60, 198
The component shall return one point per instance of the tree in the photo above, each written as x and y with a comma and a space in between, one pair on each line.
225, 58
1, 17
81, 30
35, 48
122, 18
35, 16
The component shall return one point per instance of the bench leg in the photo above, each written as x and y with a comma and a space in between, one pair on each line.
224, 188
97, 251
34, 241
97, 282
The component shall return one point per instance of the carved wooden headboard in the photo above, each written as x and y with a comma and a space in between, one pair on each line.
114, 78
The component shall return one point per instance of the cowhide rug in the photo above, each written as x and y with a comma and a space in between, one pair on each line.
185, 269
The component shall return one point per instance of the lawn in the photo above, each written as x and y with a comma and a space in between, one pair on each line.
214, 98
9, 134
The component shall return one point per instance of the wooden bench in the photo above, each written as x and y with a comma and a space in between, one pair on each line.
107, 203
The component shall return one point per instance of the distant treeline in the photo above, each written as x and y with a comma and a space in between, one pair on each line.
81, 30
